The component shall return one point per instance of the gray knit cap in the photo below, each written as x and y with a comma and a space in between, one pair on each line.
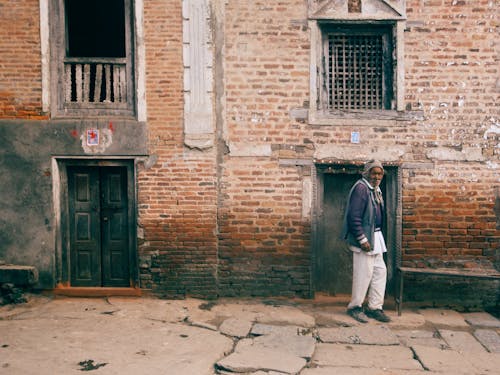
369, 165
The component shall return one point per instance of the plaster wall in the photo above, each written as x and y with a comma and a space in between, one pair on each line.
28, 208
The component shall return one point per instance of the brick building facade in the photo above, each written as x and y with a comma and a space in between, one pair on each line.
237, 132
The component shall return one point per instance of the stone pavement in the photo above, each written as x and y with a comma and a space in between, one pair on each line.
117, 335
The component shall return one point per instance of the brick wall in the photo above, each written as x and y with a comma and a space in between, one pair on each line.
20, 63
243, 233
237, 227
448, 152
449, 215
264, 241
451, 74
177, 195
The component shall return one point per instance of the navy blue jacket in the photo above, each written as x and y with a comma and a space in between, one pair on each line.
360, 218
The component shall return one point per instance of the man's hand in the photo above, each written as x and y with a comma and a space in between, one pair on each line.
366, 247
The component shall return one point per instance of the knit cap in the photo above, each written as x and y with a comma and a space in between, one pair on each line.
369, 165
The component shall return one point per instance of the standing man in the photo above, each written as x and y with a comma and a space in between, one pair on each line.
362, 230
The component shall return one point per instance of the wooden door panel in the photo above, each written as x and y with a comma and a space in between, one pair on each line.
84, 226
115, 244
337, 187
333, 261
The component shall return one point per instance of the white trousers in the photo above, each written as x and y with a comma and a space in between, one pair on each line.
369, 275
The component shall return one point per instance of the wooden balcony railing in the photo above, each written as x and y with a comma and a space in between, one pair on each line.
95, 80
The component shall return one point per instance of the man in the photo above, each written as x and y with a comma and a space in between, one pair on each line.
362, 230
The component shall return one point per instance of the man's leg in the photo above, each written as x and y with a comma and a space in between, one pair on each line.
378, 282
362, 270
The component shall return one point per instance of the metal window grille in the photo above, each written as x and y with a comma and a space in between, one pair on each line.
355, 72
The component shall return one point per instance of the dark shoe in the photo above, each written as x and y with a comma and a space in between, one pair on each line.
377, 315
358, 314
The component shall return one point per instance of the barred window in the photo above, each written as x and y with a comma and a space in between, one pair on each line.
357, 68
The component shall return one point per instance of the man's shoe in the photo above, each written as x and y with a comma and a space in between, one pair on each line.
358, 314
378, 315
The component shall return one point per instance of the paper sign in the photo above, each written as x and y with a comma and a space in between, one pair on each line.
354, 137
92, 137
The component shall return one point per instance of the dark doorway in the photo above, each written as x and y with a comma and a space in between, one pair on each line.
332, 258
100, 225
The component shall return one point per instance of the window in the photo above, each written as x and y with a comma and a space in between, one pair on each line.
357, 68
95, 28
357, 61
93, 62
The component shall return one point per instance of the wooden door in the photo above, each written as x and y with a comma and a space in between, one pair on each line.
333, 260
98, 226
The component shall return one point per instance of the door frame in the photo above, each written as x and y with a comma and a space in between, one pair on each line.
62, 253
393, 217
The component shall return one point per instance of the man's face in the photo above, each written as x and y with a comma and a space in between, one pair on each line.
375, 176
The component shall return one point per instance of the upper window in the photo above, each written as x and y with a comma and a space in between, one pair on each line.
95, 28
357, 68
94, 58
357, 61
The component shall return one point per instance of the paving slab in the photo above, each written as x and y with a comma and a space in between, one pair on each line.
451, 361
287, 315
235, 327
461, 341
484, 363
359, 371
68, 308
409, 319
369, 335
253, 359
119, 345
482, 319
200, 312
222, 372
300, 346
262, 313
120, 335
150, 308
489, 339
269, 329
439, 360
365, 356
334, 319
443, 317
421, 337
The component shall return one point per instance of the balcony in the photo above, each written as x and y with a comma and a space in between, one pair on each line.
97, 83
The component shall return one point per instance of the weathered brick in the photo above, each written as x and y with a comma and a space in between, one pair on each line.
213, 223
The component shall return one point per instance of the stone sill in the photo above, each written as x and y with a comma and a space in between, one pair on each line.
364, 118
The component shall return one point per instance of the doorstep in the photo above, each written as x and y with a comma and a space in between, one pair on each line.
96, 291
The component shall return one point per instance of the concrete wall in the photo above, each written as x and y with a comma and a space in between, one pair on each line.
28, 208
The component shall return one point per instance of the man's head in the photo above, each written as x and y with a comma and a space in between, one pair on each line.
373, 172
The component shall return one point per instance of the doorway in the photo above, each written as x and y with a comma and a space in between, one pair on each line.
99, 225
332, 260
